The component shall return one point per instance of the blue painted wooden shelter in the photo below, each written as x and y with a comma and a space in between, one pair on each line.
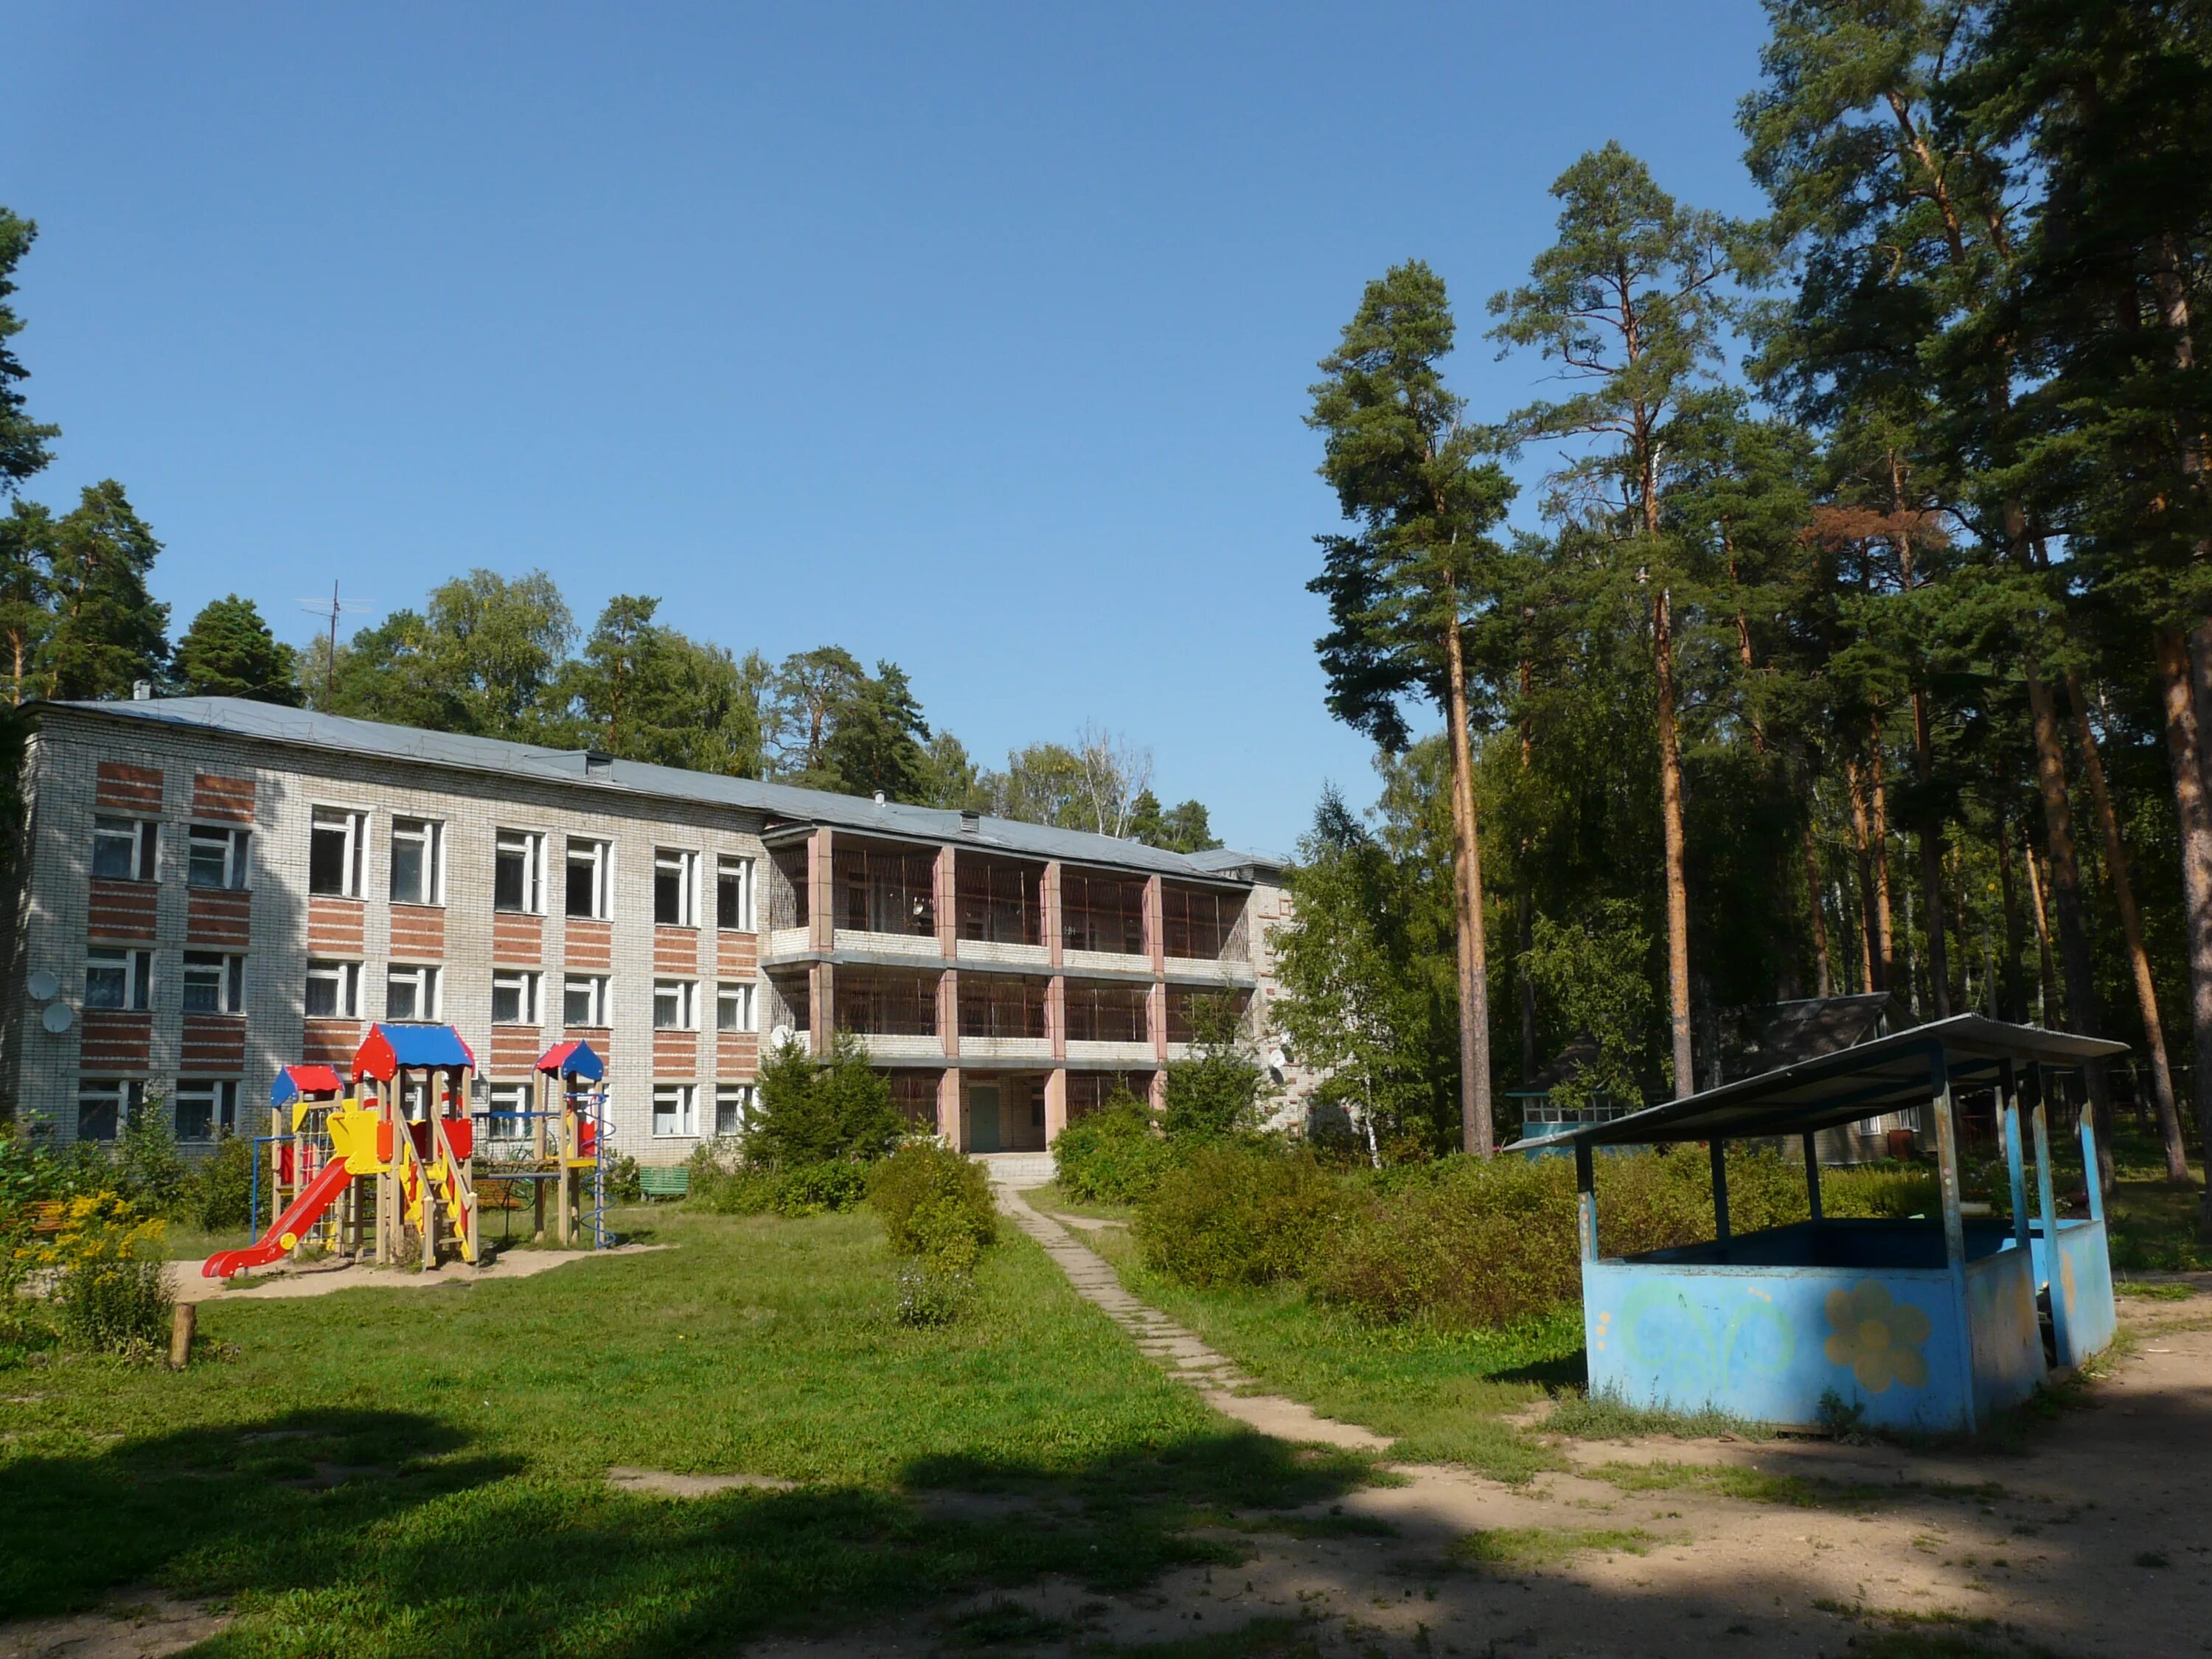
1924, 1324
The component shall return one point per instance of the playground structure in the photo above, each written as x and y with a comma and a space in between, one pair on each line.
1931, 1324
390, 1170
558, 1145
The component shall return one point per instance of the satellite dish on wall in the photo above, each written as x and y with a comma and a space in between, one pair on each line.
1277, 1058
782, 1037
41, 985
58, 1017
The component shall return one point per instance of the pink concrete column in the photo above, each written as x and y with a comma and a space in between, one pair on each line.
1055, 1103
821, 891
1156, 933
948, 1011
821, 1005
1159, 1091
948, 1108
1054, 936
1055, 1014
1156, 1020
948, 902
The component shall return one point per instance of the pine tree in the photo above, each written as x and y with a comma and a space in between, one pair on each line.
228, 651
1422, 567
109, 632
22, 440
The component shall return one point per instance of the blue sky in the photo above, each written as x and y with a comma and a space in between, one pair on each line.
972, 337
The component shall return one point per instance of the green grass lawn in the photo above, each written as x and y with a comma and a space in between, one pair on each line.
1050, 1200
469, 1431
1442, 1394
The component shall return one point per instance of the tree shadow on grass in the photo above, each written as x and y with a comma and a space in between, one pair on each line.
377, 1533
1566, 1370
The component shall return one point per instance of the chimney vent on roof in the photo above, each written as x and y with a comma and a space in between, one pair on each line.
597, 762
879, 798
971, 823
142, 690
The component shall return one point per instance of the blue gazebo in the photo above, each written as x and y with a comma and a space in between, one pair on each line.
1928, 1324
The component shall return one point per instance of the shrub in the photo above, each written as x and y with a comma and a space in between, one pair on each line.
1114, 1156
224, 1195
722, 1183
929, 1295
111, 1297
623, 1183
1240, 1214
935, 1203
149, 1170
814, 1111
815, 1187
1216, 1092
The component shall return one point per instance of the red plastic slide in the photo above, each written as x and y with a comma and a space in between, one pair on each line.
288, 1229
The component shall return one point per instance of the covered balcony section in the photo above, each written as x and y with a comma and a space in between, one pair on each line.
1090, 1091
883, 898
1205, 934
999, 908
894, 1011
1102, 921
1005, 1017
1109, 1023
1196, 1018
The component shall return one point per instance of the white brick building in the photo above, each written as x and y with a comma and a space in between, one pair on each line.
211, 888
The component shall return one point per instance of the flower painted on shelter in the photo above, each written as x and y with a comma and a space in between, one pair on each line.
1878, 1337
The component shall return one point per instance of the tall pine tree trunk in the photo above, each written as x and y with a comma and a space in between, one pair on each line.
2185, 758
2066, 891
1678, 882
1931, 867
1869, 973
1473, 962
2014, 980
1823, 976
2124, 891
1878, 804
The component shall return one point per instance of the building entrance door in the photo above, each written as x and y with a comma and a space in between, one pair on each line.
983, 1118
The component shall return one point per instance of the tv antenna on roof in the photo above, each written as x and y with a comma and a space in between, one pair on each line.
315, 607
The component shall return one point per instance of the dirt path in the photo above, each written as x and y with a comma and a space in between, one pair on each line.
324, 1278
2095, 1541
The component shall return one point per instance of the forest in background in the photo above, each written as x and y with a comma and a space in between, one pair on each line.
1862, 645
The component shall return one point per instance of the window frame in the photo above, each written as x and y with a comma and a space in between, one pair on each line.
684, 1111
429, 978
742, 992
602, 866
352, 827
237, 862
347, 977
130, 1100
144, 835
502, 1127
136, 964
528, 986
602, 1000
532, 901
686, 992
734, 1105
735, 871
431, 832
684, 863
229, 967
222, 1095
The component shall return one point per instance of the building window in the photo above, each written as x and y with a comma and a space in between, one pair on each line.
675, 889
518, 880
334, 852
733, 1107
411, 992
104, 1105
733, 895
508, 1119
675, 1109
118, 979
207, 1107
585, 1001
514, 996
334, 990
418, 861
733, 1008
215, 857
590, 864
214, 983
123, 849
675, 1005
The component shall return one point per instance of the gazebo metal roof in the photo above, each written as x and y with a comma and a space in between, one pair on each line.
1884, 1074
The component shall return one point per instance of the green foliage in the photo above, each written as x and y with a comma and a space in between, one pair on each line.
22, 441
228, 651
484, 656
722, 1183
820, 1188
814, 1112
1597, 978
1216, 1092
223, 1183
149, 1170
643, 691
108, 630
624, 1185
935, 1203
1184, 827
1239, 1214
1115, 1154
119, 1307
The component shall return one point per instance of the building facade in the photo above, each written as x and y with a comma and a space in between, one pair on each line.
210, 889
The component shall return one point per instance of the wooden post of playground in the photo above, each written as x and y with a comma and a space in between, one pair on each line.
387, 1249
563, 1170
182, 1323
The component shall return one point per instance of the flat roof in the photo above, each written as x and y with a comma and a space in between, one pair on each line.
1883, 1074
264, 722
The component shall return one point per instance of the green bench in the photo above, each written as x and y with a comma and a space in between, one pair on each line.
664, 1180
